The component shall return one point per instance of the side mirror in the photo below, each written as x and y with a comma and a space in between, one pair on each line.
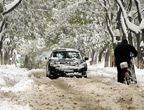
85, 58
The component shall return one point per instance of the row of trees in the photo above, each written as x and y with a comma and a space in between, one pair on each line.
124, 22
55, 23
91, 26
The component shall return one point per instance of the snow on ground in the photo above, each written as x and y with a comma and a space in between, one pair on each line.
13, 79
25, 90
112, 72
4, 105
99, 69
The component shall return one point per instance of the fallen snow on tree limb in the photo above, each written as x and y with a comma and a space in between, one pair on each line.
129, 24
11, 5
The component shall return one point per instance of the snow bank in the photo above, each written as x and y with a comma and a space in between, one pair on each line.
100, 70
140, 77
10, 106
112, 72
14, 79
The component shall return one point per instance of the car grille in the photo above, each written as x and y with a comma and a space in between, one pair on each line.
69, 63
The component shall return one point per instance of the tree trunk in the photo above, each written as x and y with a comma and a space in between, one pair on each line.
95, 61
140, 57
92, 57
107, 59
1, 53
111, 59
140, 61
101, 52
6, 58
143, 35
100, 56
130, 38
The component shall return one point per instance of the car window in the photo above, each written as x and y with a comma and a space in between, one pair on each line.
67, 54
59, 55
72, 54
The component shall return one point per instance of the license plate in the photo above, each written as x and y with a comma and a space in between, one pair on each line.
73, 74
69, 71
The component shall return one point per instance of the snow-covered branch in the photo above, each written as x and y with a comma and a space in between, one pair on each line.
2, 26
102, 4
134, 28
11, 6
124, 26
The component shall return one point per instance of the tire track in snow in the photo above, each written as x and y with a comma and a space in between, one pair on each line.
97, 92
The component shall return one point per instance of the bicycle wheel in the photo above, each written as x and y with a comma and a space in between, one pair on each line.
127, 77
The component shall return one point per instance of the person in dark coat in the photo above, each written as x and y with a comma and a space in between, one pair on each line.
122, 54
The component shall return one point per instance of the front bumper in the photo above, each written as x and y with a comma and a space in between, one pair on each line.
62, 70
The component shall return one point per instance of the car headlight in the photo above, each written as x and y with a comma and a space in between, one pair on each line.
82, 64
75, 63
52, 63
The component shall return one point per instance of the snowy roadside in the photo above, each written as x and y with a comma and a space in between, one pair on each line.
13, 79
5, 105
112, 72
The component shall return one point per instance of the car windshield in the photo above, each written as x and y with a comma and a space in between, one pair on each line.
67, 54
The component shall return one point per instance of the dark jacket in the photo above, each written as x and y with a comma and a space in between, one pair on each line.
122, 53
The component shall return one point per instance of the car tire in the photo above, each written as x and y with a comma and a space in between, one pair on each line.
78, 76
51, 76
47, 71
84, 74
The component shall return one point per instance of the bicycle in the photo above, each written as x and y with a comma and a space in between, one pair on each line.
128, 71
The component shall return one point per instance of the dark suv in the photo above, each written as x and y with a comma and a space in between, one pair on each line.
65, 62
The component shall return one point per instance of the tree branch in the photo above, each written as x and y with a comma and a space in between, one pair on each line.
11, 6
134, 28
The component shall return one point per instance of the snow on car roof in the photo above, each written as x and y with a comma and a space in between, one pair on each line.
66, 49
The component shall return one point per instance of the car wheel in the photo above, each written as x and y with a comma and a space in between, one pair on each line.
47, 71
48, 74
54, 76
78, 76
51, 76
84, 74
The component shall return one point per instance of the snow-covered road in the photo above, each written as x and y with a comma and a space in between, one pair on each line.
31, 90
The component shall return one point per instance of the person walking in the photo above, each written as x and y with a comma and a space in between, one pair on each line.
122, 54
